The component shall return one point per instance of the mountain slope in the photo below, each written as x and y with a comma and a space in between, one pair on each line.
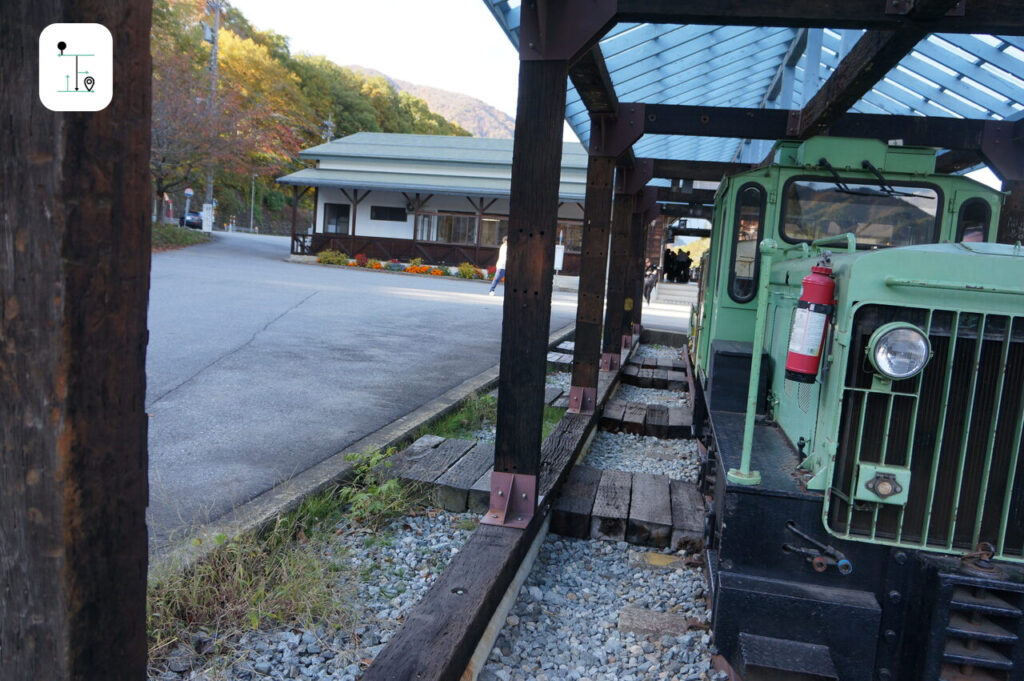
479, 118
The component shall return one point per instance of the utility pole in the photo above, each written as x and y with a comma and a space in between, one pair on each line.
214, 6
252, 201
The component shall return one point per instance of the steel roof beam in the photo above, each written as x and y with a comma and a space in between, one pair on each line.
669, 195
793, 54
979, 16
705, 121
682, 210
697, 170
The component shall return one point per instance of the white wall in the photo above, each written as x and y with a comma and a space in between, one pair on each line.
405, 230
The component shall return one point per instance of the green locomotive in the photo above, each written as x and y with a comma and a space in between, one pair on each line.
864, 447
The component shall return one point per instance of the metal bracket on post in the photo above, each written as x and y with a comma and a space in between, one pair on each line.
636, 332
627, 341
582, 400
610, 361
513, 500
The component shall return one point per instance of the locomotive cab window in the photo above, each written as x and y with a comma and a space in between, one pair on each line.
879, 217
748, 229
973, 220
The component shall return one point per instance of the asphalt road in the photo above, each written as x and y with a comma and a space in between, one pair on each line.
260, 368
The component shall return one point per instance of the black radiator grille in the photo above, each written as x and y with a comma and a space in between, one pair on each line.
956, 427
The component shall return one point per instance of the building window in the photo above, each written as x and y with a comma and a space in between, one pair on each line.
449, 228
391, 213
492, 229
336, 218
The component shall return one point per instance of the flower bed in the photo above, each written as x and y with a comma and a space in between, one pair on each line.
415, 266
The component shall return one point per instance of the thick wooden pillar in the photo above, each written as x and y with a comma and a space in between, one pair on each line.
638, 240
74, 283
634, 277
618, 270
590, 300
1011, 218
533, 218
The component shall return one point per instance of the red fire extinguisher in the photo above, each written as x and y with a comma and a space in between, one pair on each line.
810, 321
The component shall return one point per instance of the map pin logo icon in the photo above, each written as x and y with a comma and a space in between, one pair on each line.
89, 82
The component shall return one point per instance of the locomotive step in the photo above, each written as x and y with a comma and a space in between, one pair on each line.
951, 672
961, 626
985, 602
981, 655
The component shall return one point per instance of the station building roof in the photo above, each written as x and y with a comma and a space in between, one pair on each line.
949, 75
432, 164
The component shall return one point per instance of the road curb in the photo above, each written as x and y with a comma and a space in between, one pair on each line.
264, 509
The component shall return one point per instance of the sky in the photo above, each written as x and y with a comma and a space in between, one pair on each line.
451, 44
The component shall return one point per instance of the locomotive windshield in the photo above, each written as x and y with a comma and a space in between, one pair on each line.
879, 217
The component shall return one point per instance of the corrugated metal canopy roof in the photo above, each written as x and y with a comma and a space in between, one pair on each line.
463, 166
948, 75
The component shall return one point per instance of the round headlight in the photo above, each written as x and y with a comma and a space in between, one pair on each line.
899, 350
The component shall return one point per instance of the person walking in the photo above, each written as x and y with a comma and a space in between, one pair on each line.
650, 279
499, 267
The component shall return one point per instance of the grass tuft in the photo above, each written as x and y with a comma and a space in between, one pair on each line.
290, 574
474, 413
167, 237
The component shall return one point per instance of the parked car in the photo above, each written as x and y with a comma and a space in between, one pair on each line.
191, 219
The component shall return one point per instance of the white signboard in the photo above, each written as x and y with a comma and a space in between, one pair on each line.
559, 257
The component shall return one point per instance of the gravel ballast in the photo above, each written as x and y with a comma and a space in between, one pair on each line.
677, 459
392, 569
666, 398
565, 623
656, 351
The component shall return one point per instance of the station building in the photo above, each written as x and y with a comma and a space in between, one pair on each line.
443, 199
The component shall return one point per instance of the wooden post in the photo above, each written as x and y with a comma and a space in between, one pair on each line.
622, 212
533, 218
74, 284
590, 300
1011, 218
635, 281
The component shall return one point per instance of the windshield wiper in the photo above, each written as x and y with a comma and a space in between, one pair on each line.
840, 185
884, 183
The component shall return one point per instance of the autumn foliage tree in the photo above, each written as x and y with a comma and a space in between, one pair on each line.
268, 105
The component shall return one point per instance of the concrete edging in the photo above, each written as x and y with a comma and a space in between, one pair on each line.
261, 511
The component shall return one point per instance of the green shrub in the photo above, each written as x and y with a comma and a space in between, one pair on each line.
416, 262
468, 271
330, 257
274, 200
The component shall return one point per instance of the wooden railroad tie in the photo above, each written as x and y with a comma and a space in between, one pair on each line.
559, 361
659, 374
611, 506
656, 420
642, 509
650, 511
570, 514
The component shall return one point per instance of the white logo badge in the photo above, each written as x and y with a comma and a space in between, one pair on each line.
76, 67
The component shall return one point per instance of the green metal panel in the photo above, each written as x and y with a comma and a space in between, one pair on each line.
949, 438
